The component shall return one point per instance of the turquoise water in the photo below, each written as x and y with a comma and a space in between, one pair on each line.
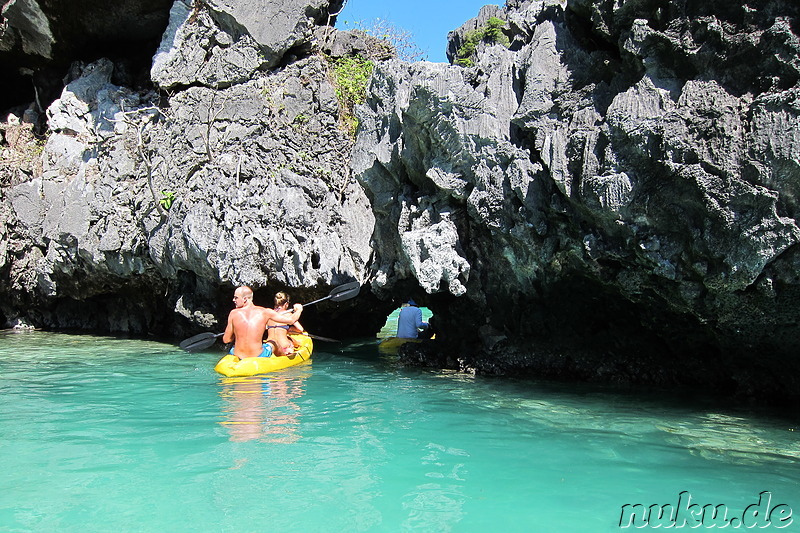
100, 434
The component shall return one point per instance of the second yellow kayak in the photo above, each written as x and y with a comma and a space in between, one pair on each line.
391, 345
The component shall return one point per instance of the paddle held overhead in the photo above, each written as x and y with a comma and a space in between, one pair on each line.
338, 294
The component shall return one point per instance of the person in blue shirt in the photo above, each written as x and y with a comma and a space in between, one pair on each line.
410, 321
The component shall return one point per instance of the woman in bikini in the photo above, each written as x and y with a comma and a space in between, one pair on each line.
277, 333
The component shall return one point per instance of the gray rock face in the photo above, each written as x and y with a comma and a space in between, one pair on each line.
56, 31
240, 177
618, 183
228, 41
276, 25
612, 196
40, 39
195, 50
34, 34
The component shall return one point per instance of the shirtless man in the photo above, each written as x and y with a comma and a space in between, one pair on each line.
247, 323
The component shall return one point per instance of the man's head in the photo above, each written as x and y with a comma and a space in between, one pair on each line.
242, 295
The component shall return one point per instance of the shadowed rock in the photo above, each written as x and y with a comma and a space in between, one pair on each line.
610, 187
609, 193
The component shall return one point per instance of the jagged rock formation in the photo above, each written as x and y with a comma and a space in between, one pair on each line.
611, 196
148, 208
39, 40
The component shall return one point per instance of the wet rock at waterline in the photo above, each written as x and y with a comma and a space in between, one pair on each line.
590, 191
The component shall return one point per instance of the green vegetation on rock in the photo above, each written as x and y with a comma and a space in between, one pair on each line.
351, 75
491, 33
167, 199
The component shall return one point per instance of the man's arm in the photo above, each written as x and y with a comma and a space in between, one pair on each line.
228, 335
286, 318
420, 323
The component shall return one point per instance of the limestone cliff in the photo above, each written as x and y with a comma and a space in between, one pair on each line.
610, 193
593, 190
148, 204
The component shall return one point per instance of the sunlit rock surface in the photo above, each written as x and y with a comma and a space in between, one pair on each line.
621, 181
610, 195
150, 207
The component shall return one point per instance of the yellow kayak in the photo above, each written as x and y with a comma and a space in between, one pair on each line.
390, 345
232, 366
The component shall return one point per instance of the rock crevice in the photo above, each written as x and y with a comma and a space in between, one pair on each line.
609, 191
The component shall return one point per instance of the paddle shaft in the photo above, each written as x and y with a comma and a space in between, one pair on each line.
317, 337
317, 301
198, 342
338, 294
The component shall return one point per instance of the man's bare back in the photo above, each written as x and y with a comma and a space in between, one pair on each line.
248, 322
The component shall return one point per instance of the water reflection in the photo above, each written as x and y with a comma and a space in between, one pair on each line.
263, 407
733, 439
438, 503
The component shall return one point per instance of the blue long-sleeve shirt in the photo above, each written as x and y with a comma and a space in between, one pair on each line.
409, 322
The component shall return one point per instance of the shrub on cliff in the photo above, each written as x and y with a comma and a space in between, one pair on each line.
400, 41
491, 33
20, 151
351, 75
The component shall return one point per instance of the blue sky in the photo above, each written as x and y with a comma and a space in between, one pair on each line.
427, 20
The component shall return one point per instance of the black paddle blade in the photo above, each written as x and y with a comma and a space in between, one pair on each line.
340, 293
346, 291
199, 342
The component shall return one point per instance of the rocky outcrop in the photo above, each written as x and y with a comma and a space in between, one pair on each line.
149, 209
609, 193
39, 40
227, 42
616, 188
